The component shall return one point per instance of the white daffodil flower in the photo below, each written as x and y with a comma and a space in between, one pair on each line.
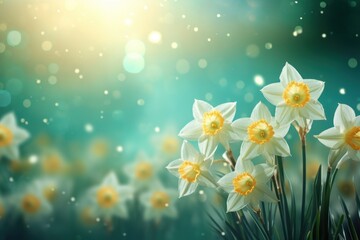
109, 198
248, 185
211, 126
344, 137
261, 134
295, 98
142, 172
159, 202
192, 169
32, 204
11, 136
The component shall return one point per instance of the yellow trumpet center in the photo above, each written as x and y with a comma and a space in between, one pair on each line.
352, 137
107, 197
6, 136
189, 171
296, 94
260, 132
30, 203
143, 170
52, 163
244, 183
212, 123
86, 216
160, 200
50, 193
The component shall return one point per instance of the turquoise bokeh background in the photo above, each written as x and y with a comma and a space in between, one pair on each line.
70, 76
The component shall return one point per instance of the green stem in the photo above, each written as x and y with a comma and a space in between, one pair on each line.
303, 150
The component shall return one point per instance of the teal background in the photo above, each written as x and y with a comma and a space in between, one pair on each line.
167, 93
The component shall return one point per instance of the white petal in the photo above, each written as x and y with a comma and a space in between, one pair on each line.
344, 117
331, 138
186, 188
231, 133
191, 131
243, 165
260, 111
273, 93
174, 166
313, 110
227, 110
188, 152
316, 87
226, 182
207, 145
249, 150
199, 108
336, 155
207, 179
281, 147
223, 138
12, 152
281, 129
266, 194
236, 202
9, 120
284, 114
110, 179
263, 172
240, 127
288, 74
20, 135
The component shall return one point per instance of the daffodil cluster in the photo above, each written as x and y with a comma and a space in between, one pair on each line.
262, 134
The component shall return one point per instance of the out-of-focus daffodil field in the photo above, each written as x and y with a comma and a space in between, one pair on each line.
95, 93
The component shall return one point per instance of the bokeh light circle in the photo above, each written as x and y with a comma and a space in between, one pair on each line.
134, 63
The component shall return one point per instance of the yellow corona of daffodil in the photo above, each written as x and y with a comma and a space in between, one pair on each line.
295, 98
211, 126
159, 202
192, 169
344, 138
247, 185
11, 136
261, 134
109, 198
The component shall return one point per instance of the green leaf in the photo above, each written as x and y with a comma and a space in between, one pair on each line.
349, 220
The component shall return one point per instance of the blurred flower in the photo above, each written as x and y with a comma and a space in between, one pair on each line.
52, 162
192, 169
142, 172
159, 202
211, 126
50, 188
295, 98
261, 134
32, 203
11, 136
346, 188
109, 198
85, 211
312, 169
99, 149
248, 185
344, 137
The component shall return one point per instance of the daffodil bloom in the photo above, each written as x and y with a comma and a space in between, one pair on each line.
192, 169
109, 198
158, 203
211, 126
295, 98
11, 136
142, 172
261, 134
50, 188
247, 185
32, 204
344, 137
